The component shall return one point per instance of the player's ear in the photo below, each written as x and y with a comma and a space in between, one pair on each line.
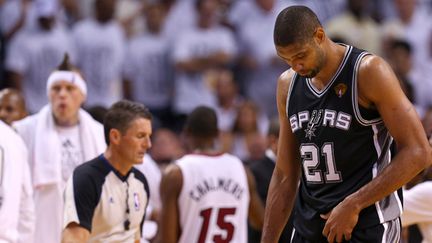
319, 35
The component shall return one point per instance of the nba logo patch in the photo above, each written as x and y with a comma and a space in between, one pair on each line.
136, 201
340, 89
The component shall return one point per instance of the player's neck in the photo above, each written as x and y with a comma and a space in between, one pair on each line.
335, 55
208, 152
205, 148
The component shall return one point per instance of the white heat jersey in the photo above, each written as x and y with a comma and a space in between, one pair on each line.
214, 200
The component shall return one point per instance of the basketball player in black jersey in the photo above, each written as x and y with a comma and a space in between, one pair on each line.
340, 108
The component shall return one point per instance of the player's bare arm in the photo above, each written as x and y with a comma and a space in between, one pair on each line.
74, 233
170, 188
256, 207
379, 88
285, 178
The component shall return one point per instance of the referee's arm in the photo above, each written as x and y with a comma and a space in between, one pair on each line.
81, 198
74, 233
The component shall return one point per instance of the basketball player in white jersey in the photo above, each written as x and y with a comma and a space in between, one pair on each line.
207, 196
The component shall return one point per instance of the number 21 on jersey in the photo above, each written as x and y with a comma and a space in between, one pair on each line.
311, 155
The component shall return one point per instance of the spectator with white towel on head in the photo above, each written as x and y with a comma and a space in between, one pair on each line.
59, 137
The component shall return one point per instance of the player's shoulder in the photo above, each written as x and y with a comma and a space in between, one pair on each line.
374, 71
283, 86
190, 159
172, 180
371, 61
285, 79
231, 158
373, 67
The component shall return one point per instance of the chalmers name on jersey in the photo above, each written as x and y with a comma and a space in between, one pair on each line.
343, 146
214, 200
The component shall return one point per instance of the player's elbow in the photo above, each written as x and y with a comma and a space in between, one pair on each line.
423, 156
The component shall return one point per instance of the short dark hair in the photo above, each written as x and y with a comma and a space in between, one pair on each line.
295, 24
121, 114
202, 122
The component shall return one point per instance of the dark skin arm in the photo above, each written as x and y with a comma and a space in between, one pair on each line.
286, 175
379, 87
256, 207
170, 188
74, 233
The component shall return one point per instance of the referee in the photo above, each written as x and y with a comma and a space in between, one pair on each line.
106, 198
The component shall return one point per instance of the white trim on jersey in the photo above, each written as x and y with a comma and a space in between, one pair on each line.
399, 201
355, 100
375, 170
293, 79
384, 214
320, 93
392, 231
384, 238
292, 234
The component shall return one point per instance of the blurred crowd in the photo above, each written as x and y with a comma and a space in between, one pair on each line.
174, 55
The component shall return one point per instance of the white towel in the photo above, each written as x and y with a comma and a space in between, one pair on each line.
47, 145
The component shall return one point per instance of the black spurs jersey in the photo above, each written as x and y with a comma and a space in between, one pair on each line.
342, 147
